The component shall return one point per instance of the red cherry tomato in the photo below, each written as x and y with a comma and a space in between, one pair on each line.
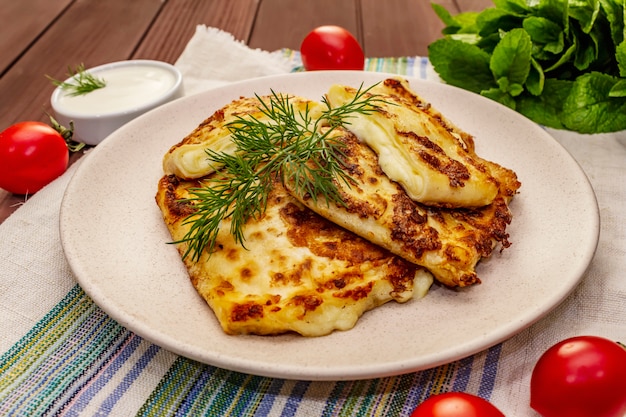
31, 155
331, 48
456, 404
584, 376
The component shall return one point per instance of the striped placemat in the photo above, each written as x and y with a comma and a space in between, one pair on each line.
410, 66
77, 359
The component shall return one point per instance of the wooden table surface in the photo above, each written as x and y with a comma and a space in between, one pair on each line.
45, 37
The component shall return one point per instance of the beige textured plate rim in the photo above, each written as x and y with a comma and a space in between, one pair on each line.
116, 244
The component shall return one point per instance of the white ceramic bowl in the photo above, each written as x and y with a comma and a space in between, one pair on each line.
132, 88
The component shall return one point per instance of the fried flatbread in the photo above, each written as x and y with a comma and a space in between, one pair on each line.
419, 204
298, 273
188, 159
419, 148
448, 242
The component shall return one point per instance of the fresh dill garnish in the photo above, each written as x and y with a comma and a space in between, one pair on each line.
82, 82
293, 147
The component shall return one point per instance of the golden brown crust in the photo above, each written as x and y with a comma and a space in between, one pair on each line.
188, 160
418, 148
448, 242
312, 268
301, 272
404, 94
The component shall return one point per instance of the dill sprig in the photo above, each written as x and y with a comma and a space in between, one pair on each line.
82, 82
292, 146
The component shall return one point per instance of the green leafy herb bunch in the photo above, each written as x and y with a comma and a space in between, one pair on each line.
561, 63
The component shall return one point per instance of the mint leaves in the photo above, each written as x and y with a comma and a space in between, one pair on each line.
561, 63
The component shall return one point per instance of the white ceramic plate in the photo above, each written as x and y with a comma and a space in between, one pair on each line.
116, 243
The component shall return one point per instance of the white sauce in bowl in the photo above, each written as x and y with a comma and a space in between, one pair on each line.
127, 88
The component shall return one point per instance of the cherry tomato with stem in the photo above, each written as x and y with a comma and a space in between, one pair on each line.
331, 48
32, 154
583, 376
456, 404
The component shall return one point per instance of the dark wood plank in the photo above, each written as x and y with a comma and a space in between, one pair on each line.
9, 203
91, 32
109, 31
284, 23
473, 5
45, 36
177, 23
22, 23
400, 27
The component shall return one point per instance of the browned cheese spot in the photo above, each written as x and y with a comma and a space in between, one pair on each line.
357, 293
216, 118
273, 299
205, 128
410, 229
223, 288
469, 279
233, 254
177, 209
435, 157
258, 235
309, 302
490, 223
293, 277
466, 141
400, 274
246, 274
339, 283
364, 209
402, 93
325, 239
247, 311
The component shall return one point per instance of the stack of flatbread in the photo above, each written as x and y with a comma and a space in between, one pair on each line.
420, 204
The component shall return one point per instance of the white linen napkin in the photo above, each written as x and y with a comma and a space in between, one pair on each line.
34, 275
213, 58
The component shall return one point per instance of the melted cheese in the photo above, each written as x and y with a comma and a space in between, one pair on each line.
447, 242
418, 149
299, 272
421, 204
189, 160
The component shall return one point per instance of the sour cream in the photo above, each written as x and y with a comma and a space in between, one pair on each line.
127, 87
132, 88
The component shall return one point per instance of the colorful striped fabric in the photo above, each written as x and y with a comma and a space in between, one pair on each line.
79, 361
418, 67
193, 389
66, 360
77, 357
